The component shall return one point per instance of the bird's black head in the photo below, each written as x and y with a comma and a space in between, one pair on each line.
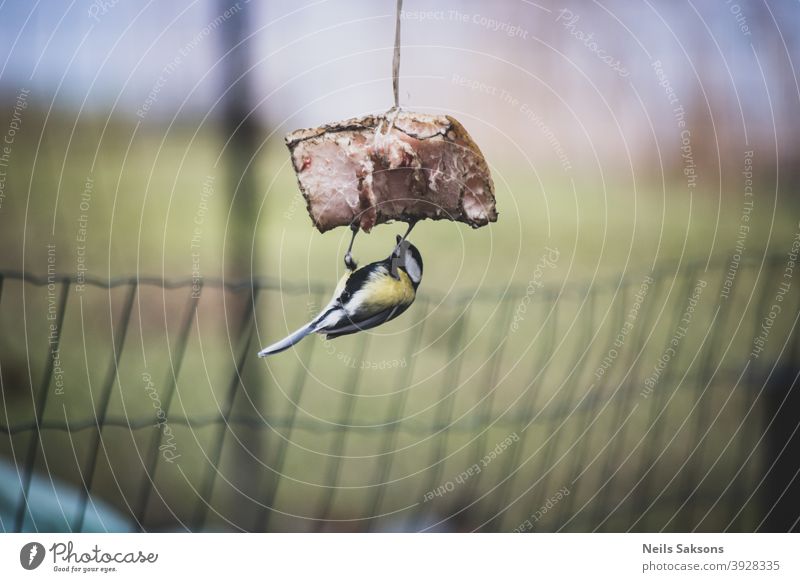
408, 259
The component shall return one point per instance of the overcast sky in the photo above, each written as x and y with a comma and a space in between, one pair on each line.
582, 67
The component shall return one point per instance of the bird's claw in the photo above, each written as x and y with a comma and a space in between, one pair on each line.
349, 262
348, 257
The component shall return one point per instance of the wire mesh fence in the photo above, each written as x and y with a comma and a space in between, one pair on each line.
640, 402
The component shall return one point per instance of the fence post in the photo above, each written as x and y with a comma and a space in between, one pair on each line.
781, 496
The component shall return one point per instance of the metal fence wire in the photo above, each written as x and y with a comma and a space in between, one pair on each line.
633, 403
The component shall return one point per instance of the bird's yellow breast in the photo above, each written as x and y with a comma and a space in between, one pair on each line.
385, 291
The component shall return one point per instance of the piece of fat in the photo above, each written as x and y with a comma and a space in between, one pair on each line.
398, 166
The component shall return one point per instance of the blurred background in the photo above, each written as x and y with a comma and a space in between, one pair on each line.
618, 352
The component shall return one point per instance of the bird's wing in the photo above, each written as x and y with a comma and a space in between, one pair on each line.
374, 298
334, 303
349, 325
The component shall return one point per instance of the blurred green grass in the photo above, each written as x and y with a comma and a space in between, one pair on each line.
148, 182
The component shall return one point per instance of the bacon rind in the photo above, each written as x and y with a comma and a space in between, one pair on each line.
401, 166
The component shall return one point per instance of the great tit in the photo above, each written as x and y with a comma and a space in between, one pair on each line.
365, 297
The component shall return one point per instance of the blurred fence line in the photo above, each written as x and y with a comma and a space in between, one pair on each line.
607, 406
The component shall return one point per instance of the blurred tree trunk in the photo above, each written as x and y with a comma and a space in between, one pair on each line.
239, 126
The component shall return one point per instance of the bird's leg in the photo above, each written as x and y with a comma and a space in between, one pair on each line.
348, 257
396, 260
411, 224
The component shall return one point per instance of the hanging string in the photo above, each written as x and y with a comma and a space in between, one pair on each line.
395, 110
396, 60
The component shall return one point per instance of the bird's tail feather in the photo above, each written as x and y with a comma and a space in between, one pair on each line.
287, 342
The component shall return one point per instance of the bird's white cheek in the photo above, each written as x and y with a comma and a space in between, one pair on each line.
413, 271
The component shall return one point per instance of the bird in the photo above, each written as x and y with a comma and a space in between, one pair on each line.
365, 297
